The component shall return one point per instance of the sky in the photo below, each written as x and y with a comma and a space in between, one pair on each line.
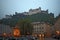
9, 7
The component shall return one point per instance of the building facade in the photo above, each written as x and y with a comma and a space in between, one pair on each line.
57, 25
34, 11
8, 16
41, 28
5, 29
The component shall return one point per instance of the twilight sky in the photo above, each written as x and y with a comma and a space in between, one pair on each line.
12, 6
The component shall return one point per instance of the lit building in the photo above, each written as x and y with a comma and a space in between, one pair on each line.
41, 28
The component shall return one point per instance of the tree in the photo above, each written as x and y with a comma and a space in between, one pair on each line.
25, 26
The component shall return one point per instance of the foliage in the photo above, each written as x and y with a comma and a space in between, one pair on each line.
39, 17
25, 26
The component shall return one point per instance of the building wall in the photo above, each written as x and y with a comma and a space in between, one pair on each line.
57, 24
41, 28
5, 29
34, 11
8, 16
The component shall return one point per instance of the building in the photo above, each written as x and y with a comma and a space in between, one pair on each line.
57, 24
8, 16
41, 28
5, 29
34, 11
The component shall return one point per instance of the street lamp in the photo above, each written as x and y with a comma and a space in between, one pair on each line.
58, 34
41, 36
4, 34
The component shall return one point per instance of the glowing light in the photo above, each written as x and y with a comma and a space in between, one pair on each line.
40, 35
43, 35
4, 34
57, 32
16, 32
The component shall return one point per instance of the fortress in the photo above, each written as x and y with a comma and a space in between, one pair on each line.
31, 12
34, 11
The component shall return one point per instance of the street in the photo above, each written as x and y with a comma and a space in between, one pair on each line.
50, 39
47, 39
